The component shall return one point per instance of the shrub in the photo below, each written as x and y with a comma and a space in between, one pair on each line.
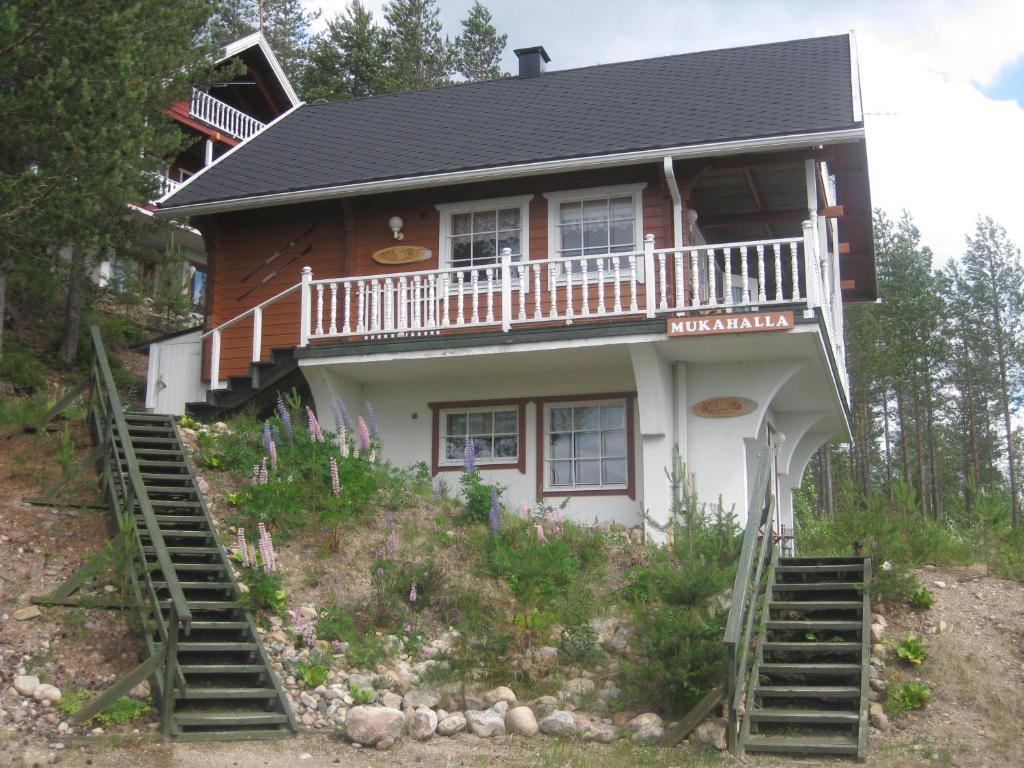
313, 674
477, 496
123, 711
579, 642
265, 590
912, 650
921, 598
362, 696
910, 695
21, 368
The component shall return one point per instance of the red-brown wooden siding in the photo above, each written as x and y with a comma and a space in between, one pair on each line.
239, 243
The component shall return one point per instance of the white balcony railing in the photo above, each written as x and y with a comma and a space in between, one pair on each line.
644, 284
221, 116
165, 185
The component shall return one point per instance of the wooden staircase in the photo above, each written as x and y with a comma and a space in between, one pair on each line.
797, 644
810, 674
259, 388
230, 690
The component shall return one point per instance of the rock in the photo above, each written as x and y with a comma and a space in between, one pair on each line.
140, 691
47, 693
307, 700
878, 717
307, 612
878, 685
942, 627
558, 723
422, 723
384, 745
604, 627
485, 723
501, 708
579, 686
370, 725
26, 684
939, 584
501, 693
28, 612
390, 700
521, 721
636, 535
422, 697
452, 724
202, 485
545, 705
619, 642
603, 733
609, 693
877, 618
879, 651
713, 732
305, 756
647, 728
876, 633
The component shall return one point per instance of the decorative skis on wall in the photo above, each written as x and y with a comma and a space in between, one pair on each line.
271, 275
272, 257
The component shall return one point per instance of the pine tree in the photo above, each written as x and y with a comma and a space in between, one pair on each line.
286, 26
478, 49
231, 20
347, 59
418, 56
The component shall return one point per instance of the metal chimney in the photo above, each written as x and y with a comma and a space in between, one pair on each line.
532, 61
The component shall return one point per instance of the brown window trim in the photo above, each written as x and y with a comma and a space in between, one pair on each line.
435, 433
630, 489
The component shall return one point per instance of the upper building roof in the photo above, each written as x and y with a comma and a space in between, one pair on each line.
738, 98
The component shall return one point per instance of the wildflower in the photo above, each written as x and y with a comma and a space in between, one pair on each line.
392, 543
381, 554
338, 646
335, 481
303, 627
364, 435
559, 521
266, 547
371, 418
256, 474
412, 593
273, 455
267, 438
469, 459
341, 420
549, 519
341, 441
286, 418
373, 455
263, 477
314, 426
276, 433
389, 521
243, 548
524, 511
540, 532
495, 516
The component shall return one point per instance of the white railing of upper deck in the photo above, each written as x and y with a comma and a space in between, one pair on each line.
221, 116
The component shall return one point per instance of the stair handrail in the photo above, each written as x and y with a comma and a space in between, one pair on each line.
115, 413
257, 331
758, 545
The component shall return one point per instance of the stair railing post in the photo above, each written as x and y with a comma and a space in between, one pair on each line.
257, 334
170, 660
650, 287
305, 306
810, 265
215, 359
506, 289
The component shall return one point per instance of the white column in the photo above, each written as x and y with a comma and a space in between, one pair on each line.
655, 389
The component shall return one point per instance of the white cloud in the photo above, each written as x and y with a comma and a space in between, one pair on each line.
937, 145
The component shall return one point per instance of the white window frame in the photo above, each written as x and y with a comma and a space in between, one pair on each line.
492, 461
554, 490
447, 210
555, 200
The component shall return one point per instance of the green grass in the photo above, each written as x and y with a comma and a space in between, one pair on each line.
123, 711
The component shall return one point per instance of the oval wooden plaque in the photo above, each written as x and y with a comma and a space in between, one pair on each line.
402, 254
724, 407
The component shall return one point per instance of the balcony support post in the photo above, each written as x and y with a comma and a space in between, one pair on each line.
650, 278
506, 289
305, 306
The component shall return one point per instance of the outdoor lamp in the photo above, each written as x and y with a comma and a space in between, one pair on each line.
396, 224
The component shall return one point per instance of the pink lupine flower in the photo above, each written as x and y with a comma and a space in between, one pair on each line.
264, 476
412, 593
559, 521
549, 519
335, 482
524, 511
303, 627
266, 547
273, 455
341, 441
314, 426
243, 548
540, 532
364, 435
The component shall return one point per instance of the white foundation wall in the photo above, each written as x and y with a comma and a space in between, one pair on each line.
405, 427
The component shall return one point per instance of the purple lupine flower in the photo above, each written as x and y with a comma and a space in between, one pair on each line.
276, 433
392, 543
469, 458
389, 521
303, 627
335, 481
337, 646
314, 426
243, 548
381, 554
412, 593
540, 532
524, 511
371, 418
267, 438
266, 547
495, 516
286, 418
364, 435
341, 420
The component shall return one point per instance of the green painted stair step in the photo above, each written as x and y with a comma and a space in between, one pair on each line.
804, 716
816, 745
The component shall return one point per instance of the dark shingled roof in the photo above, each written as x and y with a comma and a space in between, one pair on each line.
759, 91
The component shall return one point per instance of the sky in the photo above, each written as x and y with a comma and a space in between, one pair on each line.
942, 82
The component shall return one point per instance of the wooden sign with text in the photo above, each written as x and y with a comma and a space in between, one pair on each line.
724, 407
401, 254
744, 323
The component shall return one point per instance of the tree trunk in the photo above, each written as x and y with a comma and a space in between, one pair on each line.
73, 306
1004, 399
888, 443
929, 416
3, 302
973, 476
902, 423
922, 484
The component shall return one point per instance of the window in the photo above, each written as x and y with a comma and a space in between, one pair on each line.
593, 222
494, 431
473, 234
586, 446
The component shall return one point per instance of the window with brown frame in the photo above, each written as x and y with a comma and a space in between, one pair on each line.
497, 429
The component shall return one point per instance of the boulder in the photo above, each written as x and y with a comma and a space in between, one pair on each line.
545, 705
26, 613
713, 732
423, 697
878, 717
579, 686
501, 693
558, 723
370, 725
603, 733
422, 723
485, 723
452, 724
521, 721
390, 700
26, 684
647, 728
45, 692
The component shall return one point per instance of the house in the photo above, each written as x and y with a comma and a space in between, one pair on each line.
253, 91
581, 271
